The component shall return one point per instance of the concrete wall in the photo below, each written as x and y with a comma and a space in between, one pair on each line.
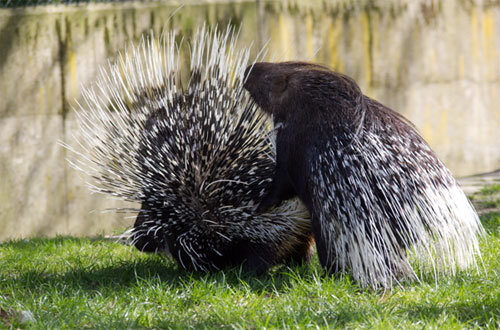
436, 63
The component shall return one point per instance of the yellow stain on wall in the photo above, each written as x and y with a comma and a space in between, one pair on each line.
309, 34
366, 47
433, 58
273, 36
47, 185
475, 32
334, 39
285, 28
375, 19
488, 43
461, 66
487, 24
72, 70
427, 128
70, 194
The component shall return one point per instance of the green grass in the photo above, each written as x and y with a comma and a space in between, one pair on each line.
490, 189
488, 197
80, 282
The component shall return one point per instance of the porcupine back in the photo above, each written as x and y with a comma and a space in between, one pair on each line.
391, 197
197, 158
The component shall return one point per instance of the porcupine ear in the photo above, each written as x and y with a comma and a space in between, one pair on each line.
279, 84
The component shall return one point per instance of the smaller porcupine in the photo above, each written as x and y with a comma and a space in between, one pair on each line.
198, 159
374, 188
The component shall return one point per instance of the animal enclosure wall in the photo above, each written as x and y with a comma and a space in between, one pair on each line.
436, 62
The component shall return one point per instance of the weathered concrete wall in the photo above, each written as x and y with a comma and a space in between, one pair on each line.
437, 64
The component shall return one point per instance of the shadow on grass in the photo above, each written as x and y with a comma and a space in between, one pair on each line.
84, 272
473, 313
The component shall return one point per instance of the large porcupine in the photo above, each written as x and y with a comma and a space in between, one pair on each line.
373, 187
198, 158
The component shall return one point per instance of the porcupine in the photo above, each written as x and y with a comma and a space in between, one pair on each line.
374, 188
198, 159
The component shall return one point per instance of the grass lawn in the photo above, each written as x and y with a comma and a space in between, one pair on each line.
82, 282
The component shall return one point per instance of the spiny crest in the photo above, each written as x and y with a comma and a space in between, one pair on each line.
140, 97
196, 156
